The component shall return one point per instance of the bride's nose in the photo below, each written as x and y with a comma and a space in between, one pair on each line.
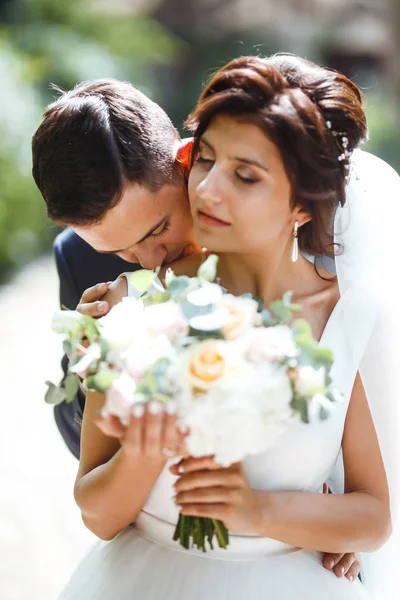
209, 189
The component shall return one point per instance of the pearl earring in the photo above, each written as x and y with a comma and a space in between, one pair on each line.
295, 246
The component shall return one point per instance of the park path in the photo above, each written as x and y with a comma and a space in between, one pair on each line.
41, 533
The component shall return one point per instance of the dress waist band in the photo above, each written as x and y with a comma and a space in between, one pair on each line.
241, 547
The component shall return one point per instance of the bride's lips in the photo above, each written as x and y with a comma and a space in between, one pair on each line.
209, 219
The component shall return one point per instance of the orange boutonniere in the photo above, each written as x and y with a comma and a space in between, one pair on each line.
184, 156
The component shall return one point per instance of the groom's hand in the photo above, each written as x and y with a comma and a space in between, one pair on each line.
343, 565
90, 303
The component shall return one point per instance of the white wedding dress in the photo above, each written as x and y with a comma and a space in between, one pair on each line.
144, 563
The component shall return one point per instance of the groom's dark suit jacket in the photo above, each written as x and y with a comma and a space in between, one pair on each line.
79, 267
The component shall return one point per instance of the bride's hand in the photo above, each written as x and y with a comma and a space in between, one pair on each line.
152, 431
205, 489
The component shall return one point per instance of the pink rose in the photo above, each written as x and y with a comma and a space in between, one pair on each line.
119, 398
166, 319
271, 343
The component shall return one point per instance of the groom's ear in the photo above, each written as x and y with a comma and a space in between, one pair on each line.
183, 156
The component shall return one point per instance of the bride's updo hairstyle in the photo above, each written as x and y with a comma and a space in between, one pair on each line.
302, 108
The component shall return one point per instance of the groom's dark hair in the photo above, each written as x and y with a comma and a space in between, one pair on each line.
95, 139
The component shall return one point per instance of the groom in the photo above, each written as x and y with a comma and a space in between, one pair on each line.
112, 168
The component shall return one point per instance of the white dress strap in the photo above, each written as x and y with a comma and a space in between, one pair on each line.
133, 292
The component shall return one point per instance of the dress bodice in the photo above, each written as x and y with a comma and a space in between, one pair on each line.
304, 456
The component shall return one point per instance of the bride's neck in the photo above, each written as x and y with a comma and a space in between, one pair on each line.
266, 276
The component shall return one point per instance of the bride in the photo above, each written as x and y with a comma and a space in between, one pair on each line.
274, 145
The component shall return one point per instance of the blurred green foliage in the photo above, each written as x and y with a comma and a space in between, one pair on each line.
43, 41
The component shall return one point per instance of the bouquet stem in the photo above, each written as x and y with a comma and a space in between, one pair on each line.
194, 531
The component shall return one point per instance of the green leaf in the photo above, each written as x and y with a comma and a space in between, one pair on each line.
302, 327
156, 297
178, 286
67, 347
208, 270
260, 303
142, 279
71, 386
104, 379
54, 395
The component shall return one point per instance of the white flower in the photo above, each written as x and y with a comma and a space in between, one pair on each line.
166, 319
271, 343
240, 315
123, 323
208, 362
209, 293
143, 353
66, 321
309, 380
120, 398
240, 414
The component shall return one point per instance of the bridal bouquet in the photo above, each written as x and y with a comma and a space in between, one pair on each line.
240, 374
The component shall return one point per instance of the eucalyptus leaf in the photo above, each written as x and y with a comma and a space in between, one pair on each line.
208, 270
54, 395
178, 286
71, 385
142, 279
157, 297
67, 347
104, 380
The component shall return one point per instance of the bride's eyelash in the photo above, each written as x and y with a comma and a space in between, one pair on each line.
245, 180
164, 230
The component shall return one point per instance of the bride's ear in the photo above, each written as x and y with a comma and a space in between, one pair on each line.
301, 215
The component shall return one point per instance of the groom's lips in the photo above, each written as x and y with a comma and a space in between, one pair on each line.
209, 219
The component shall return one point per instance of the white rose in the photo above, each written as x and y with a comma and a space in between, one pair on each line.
143, 353
167, 319
66, 321
240, 317
123, 323
271, 343
309, 380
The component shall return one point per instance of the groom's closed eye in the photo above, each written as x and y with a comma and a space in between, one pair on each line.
163, 229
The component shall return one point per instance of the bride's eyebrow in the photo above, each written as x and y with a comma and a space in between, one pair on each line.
247, 161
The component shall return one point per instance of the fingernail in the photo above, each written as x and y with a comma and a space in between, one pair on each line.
154, 408
330, 563
100, 285
171, 408
102, 306
183, 429
341, 569
138, 410
181, 469
351, 578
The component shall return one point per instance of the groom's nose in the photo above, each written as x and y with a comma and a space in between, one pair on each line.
151, 257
